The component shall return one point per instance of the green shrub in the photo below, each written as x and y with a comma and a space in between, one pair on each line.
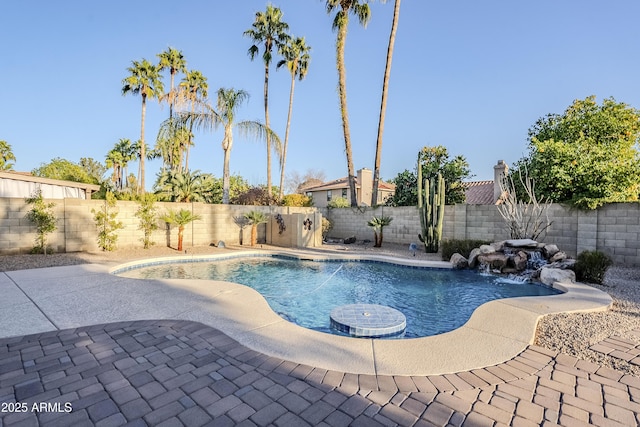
340, 202
297, 200
463, 247
591, 266
41, 214
106, 223
326, 227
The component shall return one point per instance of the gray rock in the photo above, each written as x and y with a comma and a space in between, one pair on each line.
498, 246
521, 243
459, 262
558, 256
495, 261
519, 261
549, 250
565, 264
486, 249
473, 257
350, 240
549, 276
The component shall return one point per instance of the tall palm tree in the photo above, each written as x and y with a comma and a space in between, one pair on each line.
383, 103
296, 58
173, 60
171, 143
144, 79
185, 186
114, 160
229, 100
6, 156
340, 22
195, 87
128, 153
267, 29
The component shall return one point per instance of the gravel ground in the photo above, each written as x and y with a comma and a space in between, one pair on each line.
569, 333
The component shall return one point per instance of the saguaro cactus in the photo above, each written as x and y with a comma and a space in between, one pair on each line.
431, 210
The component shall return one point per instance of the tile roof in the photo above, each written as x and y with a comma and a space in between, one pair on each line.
479, 192
343, 183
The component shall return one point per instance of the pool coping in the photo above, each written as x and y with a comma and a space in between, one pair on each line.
46, 299
496, 332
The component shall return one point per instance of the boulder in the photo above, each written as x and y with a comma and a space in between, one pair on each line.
565, 264
498, 246
521, 243
350, 240
459, 262
486, 249
519, 261
549, 276
549, 250
558, 256
495, 261
473, 257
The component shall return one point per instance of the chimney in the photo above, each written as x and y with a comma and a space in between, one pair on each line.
365, 181
500, 171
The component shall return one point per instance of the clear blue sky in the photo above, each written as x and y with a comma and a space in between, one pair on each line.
472, 76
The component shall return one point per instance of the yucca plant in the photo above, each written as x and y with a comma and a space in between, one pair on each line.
378, 223
255, 218
179, 218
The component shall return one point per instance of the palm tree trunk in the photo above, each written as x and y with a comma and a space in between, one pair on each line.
186, 161
227, 143
342, 89
266, 122
254, 234
143, 154
383, 104
180, 237
286, 135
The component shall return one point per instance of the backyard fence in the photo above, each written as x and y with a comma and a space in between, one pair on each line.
76, 229
613, 229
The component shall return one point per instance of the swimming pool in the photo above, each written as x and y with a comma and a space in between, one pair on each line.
434, 301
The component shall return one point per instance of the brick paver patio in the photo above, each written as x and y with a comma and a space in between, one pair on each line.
175, 373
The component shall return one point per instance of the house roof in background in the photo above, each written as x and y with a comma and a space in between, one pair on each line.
25, 176
479, 192
341, 183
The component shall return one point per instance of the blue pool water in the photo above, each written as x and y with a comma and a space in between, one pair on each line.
304, 292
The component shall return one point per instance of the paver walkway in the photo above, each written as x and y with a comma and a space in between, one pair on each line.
620, 348
174, 373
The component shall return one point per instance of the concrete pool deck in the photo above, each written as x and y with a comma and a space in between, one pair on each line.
184, 372
58, 298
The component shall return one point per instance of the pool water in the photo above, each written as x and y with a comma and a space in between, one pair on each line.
304, 292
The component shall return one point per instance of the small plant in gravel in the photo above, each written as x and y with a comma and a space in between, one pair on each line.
378, 223
107, 224
148, 214
591, 266
180, 218
41, 214
254, 218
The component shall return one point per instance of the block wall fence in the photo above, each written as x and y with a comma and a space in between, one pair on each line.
76, 230
613, 229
